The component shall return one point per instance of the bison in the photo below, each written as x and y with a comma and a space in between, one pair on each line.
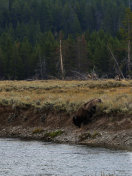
85, 112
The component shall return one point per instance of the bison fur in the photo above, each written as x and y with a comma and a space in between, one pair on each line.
85, 112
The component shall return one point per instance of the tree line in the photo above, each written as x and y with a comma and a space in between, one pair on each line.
30, 33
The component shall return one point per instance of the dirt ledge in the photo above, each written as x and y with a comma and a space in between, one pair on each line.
109, 132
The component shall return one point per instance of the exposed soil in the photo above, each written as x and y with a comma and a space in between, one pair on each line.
29, 123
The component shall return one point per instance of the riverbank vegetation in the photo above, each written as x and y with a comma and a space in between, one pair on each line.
43, 110
67, 96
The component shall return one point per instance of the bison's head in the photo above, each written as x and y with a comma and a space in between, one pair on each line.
99, 101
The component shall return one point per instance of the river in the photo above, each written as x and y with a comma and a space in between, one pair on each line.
33, 158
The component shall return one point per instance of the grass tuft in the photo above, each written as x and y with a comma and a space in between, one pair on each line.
53, 134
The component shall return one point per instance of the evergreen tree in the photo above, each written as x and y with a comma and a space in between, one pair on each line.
127, 34
29, 37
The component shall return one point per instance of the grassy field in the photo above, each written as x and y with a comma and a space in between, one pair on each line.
67, 96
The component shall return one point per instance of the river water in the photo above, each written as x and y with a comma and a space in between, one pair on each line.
33, 158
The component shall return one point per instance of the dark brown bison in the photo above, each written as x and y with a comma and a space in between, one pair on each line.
85, 112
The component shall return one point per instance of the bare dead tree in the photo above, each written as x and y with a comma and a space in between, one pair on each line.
61, 60
61, 56
116, 62
41, 68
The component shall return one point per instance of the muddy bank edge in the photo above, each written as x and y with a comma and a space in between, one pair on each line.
109, 132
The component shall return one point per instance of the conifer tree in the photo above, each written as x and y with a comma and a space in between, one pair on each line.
126, 32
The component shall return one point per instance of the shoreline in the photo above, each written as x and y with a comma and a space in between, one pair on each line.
106, 140
113, 132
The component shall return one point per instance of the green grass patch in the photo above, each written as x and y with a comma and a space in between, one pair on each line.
53, 134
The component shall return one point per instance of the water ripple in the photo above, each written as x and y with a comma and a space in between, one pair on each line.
32, 158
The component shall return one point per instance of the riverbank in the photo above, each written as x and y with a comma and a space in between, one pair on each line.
43, 110
118, 141
58, 128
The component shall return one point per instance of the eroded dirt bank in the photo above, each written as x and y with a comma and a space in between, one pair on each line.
29, 123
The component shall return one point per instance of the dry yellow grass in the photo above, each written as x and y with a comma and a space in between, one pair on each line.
68, 95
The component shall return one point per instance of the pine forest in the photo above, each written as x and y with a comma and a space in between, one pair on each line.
90, 35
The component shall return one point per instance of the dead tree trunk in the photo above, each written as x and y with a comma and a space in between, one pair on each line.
116, 62
61, 60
